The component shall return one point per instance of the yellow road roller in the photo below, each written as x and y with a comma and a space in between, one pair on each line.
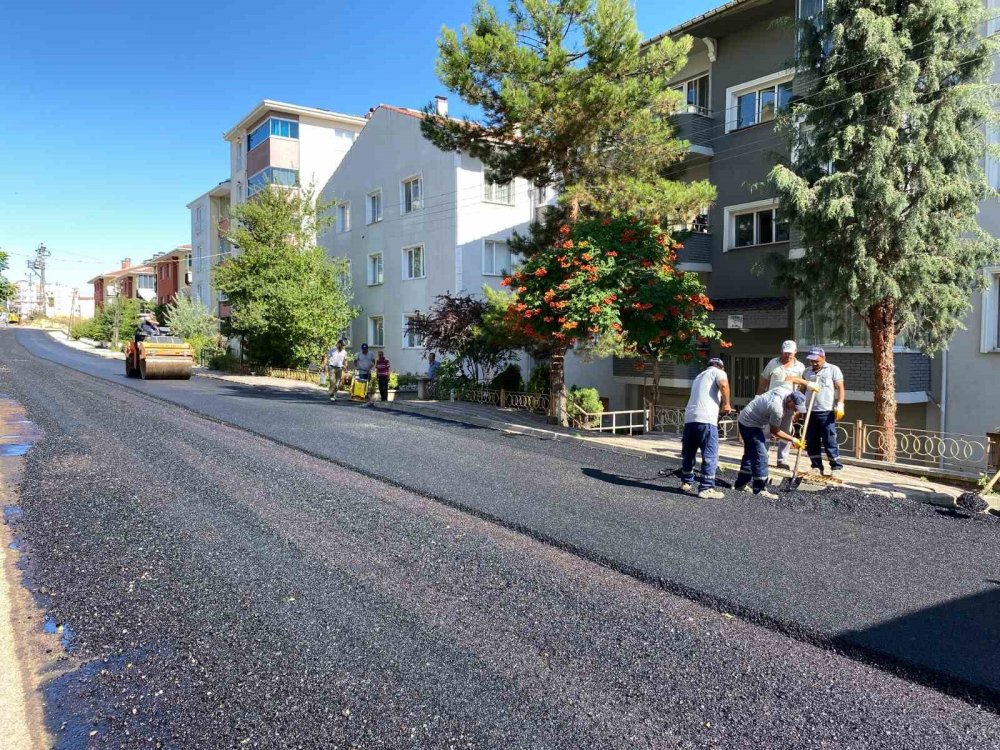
162, 357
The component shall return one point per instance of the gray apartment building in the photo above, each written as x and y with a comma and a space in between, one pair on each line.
739, 74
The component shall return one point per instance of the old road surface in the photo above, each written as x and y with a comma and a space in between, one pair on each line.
237, 567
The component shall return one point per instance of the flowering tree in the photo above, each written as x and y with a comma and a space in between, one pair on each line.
611, 279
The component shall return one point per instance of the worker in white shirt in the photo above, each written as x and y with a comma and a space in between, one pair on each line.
828, 409
778, 374
334, 361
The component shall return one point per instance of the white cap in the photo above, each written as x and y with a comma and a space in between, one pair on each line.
789, 347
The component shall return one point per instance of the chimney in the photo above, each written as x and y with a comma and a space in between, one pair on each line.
441, 106
126, 262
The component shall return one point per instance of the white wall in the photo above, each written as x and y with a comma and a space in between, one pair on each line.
202, 251
322, 145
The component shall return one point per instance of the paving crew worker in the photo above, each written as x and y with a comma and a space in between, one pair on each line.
821, 433
764, 412
364, 363
709, 394
334, 361
149, 326
775, 375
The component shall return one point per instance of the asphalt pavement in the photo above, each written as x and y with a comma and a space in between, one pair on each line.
221, 588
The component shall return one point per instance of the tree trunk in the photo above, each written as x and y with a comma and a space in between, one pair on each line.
655, 400
881, 326
557, 389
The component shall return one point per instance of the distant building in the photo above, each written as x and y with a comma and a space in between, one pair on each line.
134, 282
173, 274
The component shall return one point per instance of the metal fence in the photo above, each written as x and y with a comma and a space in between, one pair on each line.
501, 398
617, 422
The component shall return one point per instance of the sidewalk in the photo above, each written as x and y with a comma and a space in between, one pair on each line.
667, 447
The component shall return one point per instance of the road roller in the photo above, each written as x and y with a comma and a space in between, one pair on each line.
160, 357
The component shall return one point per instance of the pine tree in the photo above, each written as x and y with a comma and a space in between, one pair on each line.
571, 100
895, 101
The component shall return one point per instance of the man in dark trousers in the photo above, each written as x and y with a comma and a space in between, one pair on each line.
709, 396
821, 435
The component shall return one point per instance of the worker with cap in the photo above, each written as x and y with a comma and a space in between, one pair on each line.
765, 412
828, 408
779, 374
709, 395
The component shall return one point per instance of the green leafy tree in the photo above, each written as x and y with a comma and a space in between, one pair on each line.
192, 322
7, 289
612, 281
288, 299
896, 104
571, 100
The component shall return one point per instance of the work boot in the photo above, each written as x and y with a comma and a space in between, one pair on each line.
767, 495
711, 494
784, 466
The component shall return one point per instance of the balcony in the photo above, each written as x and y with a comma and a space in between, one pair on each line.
671, 373
696, 255
698, 128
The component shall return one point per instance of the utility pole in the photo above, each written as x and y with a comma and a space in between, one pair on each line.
41, 253
118, 314
72, 309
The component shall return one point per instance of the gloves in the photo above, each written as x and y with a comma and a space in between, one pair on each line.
798, 444
838, 412
813, 386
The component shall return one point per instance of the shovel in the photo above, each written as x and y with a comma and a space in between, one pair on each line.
795, 480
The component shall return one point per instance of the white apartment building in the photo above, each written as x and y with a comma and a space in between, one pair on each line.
287, 144
209, 222
416, 222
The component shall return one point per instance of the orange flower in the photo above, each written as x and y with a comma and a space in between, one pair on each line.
612, 253
595, 309
564, 230
569, 325
677, 246
564, 285
541, 272
548, 295
586, 256
639, 366
726, 344
616, 326
506, 281
548, 318
567, 245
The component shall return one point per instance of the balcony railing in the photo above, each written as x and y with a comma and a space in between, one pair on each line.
697, 128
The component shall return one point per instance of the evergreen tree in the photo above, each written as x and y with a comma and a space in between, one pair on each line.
895, 101
7, 290
572, 100
289, 300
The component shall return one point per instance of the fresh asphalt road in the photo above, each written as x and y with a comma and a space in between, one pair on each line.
222, 587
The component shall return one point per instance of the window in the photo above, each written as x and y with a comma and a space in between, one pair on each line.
373, 207
758, 101
344, 217
239, 154
376, 330
272, 176
345, 278
411, 192
496, 258
498, 192
146, 281
990, 338
411, 340
758, 223
273, 126
993, 24
199, 219
375, 269
695, 93
413, 262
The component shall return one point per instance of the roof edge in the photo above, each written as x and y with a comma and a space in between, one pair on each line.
296, 109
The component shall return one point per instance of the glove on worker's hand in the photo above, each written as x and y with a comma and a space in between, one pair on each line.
813, 386
838, 412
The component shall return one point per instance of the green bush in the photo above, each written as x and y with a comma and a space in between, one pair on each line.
406, 379
84, 329
508, 379
585, 399
538, 382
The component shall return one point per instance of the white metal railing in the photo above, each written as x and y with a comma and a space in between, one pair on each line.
629, 421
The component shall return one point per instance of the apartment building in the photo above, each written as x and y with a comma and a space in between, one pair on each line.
209, 224
276, 143
737, 78
287, 144
133, 282
173, 274
416, 222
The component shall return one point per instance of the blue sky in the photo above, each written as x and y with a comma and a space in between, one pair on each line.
113, 112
